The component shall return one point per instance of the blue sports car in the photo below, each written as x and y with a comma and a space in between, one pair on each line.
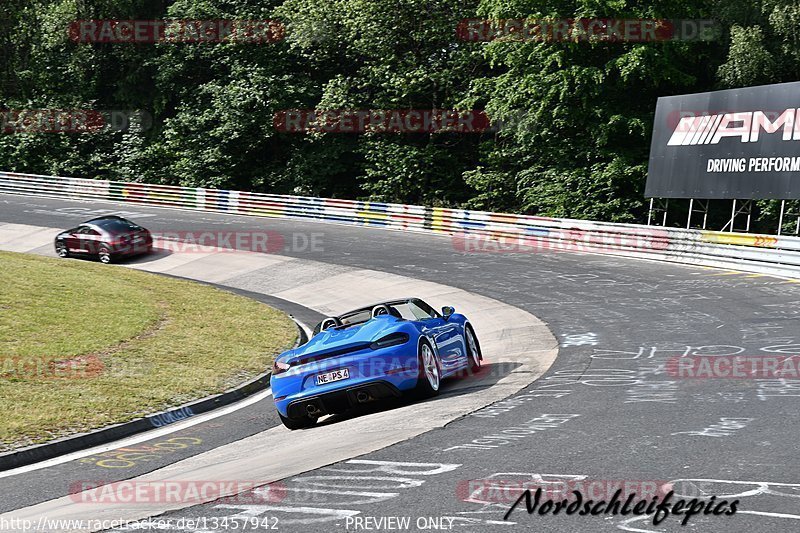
375, 352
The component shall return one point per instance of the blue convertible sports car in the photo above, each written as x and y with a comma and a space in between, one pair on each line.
372, 353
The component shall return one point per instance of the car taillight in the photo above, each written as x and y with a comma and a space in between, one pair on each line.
279, 367
394, 339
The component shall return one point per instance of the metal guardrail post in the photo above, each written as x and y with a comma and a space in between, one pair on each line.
658, 205
780, 218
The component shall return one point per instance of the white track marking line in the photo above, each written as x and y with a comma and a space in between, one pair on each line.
141, 437
306, 329
765, 513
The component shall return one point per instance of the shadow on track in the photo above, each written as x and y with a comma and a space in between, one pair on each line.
467, 383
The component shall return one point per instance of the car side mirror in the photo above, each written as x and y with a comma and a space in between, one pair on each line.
447, 311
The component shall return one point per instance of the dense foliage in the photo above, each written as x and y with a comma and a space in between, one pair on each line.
576, 116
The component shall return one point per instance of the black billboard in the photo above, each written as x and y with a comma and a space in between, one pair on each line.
733, 144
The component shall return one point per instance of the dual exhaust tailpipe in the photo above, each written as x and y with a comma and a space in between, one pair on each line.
312, 409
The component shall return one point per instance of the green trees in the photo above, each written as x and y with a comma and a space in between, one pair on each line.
582, 150
576, 116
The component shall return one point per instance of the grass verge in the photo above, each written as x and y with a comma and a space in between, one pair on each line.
84, 345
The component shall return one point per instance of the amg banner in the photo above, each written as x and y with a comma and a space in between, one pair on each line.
735, 144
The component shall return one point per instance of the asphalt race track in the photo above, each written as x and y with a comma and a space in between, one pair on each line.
605, 411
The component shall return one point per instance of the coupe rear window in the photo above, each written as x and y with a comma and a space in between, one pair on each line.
117, 226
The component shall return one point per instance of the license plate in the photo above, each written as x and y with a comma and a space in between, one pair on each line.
330, 377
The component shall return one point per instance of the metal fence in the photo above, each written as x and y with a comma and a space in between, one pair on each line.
470, 231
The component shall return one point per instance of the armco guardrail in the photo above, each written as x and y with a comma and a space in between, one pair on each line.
473, 231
